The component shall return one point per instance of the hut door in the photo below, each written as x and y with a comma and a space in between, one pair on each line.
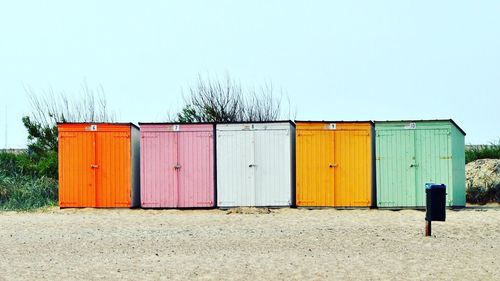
315, 168
195, 170
396, 168
76, 169
352, 173
235, 168
159, 176
433, 154
272, 167
112, 169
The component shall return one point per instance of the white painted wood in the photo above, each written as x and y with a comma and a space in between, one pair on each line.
254, 164
234, 176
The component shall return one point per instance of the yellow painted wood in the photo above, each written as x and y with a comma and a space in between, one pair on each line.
353, 172
315, 154
334, 164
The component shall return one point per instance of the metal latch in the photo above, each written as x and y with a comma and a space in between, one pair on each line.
177, 167
94, 166
333, 165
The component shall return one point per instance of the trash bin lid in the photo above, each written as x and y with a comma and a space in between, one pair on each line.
434, 185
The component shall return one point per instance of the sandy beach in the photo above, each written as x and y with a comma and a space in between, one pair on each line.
284, 244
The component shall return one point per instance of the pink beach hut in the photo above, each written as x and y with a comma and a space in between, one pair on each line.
177, 165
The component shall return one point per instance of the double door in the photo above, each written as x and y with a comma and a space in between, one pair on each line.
254, 167
407, 160
177, 169
94, 169
333, 168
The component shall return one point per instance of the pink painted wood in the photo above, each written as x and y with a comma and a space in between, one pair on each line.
177, 166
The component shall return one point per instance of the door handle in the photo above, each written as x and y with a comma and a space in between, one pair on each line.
332, 165
177, 167
413, 165
252, 165
94, 166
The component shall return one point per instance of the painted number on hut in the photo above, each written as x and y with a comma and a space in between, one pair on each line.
411, 126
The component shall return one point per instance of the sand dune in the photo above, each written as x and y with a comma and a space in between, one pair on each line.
283, 244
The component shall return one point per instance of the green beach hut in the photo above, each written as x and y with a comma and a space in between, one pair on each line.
410, 154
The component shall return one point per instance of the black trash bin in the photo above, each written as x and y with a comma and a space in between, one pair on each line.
435, 202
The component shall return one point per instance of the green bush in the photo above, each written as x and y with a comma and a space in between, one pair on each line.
26, 183
483, 195
25, 165
25, 192
42, 145
496, 194
17, 164
491, 151
47, 165
29, 180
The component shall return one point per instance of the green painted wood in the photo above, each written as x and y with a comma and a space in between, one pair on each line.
458, 167
433, 155
395, 159
410, 155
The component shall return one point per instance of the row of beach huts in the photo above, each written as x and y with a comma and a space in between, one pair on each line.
273, 164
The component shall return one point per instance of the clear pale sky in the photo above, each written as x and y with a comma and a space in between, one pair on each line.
336, 60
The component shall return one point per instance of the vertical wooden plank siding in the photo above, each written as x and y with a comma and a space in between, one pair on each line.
410, 154
254, 164
334, 164
95, 165
177, 165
